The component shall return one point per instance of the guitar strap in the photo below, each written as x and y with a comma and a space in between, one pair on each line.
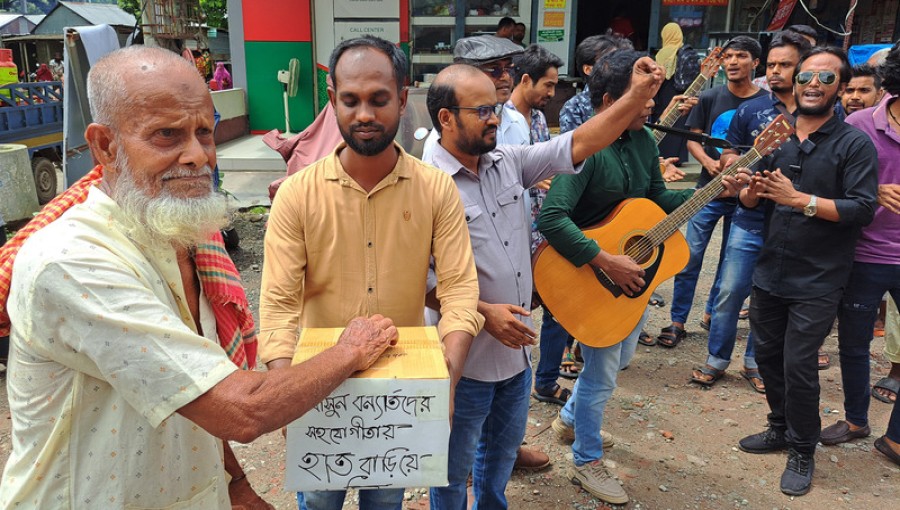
787, 115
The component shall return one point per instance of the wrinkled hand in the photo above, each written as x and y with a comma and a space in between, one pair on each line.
670, 172
777, 187
889, 197
646, 78
368, 338
622, 269
243, 497
500, 322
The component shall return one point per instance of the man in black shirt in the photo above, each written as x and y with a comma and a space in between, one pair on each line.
712, 115
819, 192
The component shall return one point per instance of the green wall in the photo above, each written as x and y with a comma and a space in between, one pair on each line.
266, 108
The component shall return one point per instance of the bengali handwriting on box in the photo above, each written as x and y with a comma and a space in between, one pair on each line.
372, 433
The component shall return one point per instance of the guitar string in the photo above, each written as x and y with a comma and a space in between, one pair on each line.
645, 246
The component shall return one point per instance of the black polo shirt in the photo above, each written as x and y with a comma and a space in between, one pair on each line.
810, 257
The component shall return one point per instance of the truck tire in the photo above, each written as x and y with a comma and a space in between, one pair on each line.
44, 179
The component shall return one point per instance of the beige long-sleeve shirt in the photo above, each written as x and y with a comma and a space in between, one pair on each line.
334, 252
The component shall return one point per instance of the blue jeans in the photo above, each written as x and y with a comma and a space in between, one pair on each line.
736, 281
554, 339
856, 322
699, 232
593, 388
489, 420
369, 499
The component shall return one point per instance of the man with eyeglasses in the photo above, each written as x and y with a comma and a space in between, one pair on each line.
818, 192
493, 56
491, 402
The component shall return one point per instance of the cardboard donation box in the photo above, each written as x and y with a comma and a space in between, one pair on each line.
385, 427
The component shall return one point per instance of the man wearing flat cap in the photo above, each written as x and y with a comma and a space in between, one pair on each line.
493, 56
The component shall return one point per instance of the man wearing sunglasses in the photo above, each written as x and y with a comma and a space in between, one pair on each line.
818, 191
491, 402
493, 56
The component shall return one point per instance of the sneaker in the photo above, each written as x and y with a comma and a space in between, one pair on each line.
594, 478
566, 432
797, 477
769, 440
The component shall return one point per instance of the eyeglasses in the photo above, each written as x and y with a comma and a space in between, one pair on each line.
825, 77
484, 111
497, 71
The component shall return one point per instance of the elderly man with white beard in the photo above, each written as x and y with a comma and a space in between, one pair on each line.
129, 325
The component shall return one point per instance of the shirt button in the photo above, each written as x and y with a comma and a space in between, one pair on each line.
519, 273
523, 305
468, 218
494, 214
370, 290
505, 243
370, 244
515, 197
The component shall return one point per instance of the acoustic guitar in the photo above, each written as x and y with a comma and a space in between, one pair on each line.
586, 301
708, 68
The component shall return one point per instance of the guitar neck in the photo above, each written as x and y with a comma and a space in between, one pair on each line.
664, 229
672, 116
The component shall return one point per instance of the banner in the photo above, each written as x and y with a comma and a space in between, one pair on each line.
782, 14
710, 3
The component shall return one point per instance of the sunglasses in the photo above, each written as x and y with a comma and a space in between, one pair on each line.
497, 71
825, 77
484, 111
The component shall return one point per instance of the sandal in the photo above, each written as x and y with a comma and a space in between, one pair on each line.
882, 446
568, 368
646, 339
887, 384
744, 314
707, 375
824, 360
705, 321
555, 395
671, 336
657, 300
752, 376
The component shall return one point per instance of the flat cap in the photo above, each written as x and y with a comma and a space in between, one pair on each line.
482, 49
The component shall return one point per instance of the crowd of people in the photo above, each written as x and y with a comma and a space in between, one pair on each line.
133, 342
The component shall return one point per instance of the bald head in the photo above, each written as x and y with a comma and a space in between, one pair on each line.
118, 83
450, 87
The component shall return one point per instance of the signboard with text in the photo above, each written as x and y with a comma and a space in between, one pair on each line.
344, 30
388, 426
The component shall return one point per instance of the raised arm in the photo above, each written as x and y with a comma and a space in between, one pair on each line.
606, 127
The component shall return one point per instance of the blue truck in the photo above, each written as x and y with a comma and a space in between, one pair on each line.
31, 114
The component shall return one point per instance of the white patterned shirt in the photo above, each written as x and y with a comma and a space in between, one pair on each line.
104, 351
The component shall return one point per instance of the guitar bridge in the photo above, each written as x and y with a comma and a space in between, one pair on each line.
607, 282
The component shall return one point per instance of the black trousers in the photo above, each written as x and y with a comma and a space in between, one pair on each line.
789, 333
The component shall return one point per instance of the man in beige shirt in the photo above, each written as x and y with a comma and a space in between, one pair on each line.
120, 391
353, 233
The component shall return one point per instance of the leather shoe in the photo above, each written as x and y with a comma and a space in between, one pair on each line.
840, 432
531, 459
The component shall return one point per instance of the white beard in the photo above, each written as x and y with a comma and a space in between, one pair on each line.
164, 219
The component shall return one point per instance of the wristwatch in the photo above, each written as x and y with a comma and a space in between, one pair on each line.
810, 209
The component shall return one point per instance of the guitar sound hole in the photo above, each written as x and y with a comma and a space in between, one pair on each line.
641, 252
